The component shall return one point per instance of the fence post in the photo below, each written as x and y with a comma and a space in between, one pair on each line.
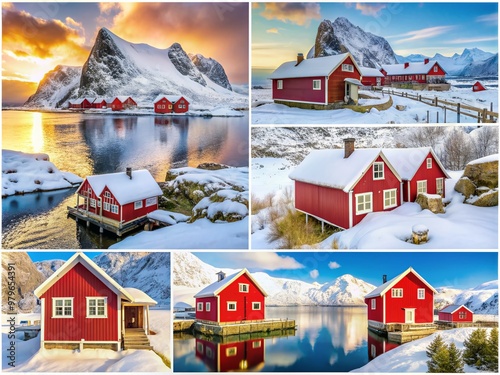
420, 98
479, 116
427, 116
444, 114
458, 113
436, 101
437, 117
484, 114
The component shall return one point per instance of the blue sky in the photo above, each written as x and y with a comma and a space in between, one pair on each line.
281, 30
37, 256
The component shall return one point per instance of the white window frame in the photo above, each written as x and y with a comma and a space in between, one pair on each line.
138, 205
462, 315
209, 352
373, 350
151, 201
92, 202
107, 194
440, 186
373, 304
421, 293
435, 68
378, 174
422, 187
97, 315
279, 84
316, 84
207, 306
244, 288
229, 303
199, 347
254, 304
365, 203
107, 206
393, 197
114, 208
429, 163
256, 344
231, 351
347, 68
397, 292
199, 306
64, 315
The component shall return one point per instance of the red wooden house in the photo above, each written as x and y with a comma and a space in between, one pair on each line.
478, 86
378, 345
81, 103
372, 77
428, 71
118, 198
99, 103
171, 104
119, 103
320, 80
230, 299
456, 314
82, 306
406, 300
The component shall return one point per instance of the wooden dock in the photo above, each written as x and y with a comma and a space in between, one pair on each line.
243, 327
411, 335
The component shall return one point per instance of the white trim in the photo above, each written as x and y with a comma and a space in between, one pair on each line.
418, 293
253, 306
300, 101
229, 351
207, 306
218, 309
63, 316
119, 311
398, 278
373, 303
383, 312
397, 292
378, 164
428, 163
365, 210
235, 306
42, 321
151, 201
137, 206
279, 84
327, 78
241, 287
412, 313
441, 180
390, 198
314, 81
347, 68
96, 316
401, 193
199, 306
409, 188
418, 189
351, 220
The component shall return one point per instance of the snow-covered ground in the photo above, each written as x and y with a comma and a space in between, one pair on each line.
264, 111
26, 173
30, 358
411, 357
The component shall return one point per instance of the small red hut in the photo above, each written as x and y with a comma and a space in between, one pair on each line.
478, 86
99, 103
428, 71
171, 104
81, 103
234, 298
456, 314
119, 103
372, 77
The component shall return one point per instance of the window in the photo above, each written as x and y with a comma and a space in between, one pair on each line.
421, 293
390, 198
435, 68
170, 106
98, 203
92, 202
106, 206
378, 170
316, 84
374, 304
199, 347
422, 186
373, 350
97, 307
363, 203
151, 201
279, 84
62, 307
255, 305
199, 306
243, 288
209, 352
231, 306
429, 163
397, 292
256, 344
462, 315
137, 205
207, 306
114, 208
439, 186
347, 68
231, 352
107, 194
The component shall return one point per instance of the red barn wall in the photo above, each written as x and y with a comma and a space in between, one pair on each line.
204, 315
376, 315
300, 89
469, 317
372, 81
163, 102
83, 191
116, 105
440, 72
336, 84
206, 351
79, 283
427, 174
111, 200
245, 350
178, 103
243, 301
130, 213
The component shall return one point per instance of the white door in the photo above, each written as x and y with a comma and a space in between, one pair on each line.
410, 316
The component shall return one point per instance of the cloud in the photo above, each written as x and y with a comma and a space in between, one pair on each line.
474, 40
426, 33
314, 274
491, 18
16, 92
370, 9
333, 265
266, 261
274, 30
297, 13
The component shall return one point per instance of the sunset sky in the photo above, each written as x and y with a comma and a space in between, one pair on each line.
281, 30
39, 36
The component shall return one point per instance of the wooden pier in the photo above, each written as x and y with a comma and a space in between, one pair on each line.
240, 328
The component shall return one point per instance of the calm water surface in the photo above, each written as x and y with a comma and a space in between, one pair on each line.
96, 144
327, 339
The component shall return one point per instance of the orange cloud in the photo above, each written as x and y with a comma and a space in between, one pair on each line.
15, 92
370, 9
273, 30
298, 13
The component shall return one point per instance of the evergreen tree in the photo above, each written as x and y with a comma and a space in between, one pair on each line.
475, 348
455, 361
439, 360
491, 357
433, 347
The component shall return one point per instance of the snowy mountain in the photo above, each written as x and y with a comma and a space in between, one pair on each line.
414, 57
342, 36
118, 67
482, 299
488, 67
56, 87
48, 267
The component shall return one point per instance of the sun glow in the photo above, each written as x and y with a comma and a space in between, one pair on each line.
37, 132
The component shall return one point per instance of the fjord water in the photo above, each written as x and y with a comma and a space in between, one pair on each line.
328, 339
88, 144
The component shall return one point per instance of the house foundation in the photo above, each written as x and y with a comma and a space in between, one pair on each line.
247, 327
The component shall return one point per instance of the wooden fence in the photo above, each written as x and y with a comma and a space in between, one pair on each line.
481, 114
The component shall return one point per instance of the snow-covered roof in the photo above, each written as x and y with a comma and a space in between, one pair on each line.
485, 159
122, 98
215, 288
370, 72
384, 288
171, 98
138, 296
407, 160
412, 68
330, 168
100, 100
78, 101
353, 81
452, 308
126, 190
315, 67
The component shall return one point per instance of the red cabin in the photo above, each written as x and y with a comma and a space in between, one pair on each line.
478, 86
456, 314
81, 103
99, 103
321, 80
234, 298
406, 299
171, 104
119, 103
416, 72
81, 306
372, 77
118, 198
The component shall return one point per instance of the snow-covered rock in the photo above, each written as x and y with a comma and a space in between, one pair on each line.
48, 267
212, 69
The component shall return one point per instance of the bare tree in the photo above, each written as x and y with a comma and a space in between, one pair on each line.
485, 141
424, 136
457, 150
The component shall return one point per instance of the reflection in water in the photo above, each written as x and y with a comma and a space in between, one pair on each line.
378, 345
37, 132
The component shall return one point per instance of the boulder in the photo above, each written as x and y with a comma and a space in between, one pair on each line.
466, 187
400, 107
432, 202
488, 199
483, 174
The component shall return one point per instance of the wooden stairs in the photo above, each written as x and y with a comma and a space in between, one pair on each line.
135, 338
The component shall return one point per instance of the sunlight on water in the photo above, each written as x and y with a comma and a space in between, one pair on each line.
37, 132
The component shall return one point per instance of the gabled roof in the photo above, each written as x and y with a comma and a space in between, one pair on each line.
139, 296
384, 288
171, 98
315, 67
413, 68
216, 288
370, 72
100, 100
125, 190
329, 167
122, 98
81, 100
450, 309
407, 161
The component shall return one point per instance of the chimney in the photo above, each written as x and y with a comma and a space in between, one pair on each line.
129, 172
407, 64
220, 276
300, 58
426, 61
384, 279
348, 147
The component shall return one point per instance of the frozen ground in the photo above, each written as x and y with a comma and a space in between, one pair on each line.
264, 111
411, 357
